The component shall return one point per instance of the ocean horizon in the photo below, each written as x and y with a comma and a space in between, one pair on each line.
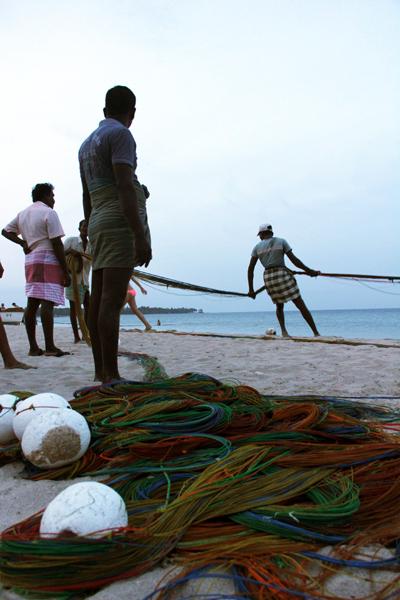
381, 323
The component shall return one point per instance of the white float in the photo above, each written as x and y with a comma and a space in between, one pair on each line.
55, 437
34, 405
87, 509
7, 402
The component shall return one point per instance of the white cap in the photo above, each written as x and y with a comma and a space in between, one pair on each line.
264, 227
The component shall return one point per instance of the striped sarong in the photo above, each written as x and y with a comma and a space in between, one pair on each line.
111, 237
44, 276
281, 285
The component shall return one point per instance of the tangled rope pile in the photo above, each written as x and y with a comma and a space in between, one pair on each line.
218, 475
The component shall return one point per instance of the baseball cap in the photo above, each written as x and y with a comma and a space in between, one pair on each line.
264, 227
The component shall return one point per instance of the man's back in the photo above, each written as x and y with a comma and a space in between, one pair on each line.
37, 224
109, 144
271, 252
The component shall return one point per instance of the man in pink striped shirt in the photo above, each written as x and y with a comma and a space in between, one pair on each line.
46, 272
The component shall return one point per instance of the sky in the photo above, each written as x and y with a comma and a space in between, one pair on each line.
284, 112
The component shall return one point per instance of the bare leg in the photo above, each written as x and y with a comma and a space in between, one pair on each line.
74, 324
10, 362
47, 319
30, 325
281, 318
113, 294
95, 299
307, 316
133, 306
86, 301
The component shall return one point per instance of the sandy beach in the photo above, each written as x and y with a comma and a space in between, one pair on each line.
273, 366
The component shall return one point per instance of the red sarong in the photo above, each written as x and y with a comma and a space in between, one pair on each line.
44, 276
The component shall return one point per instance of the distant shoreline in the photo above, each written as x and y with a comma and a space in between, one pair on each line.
146, 310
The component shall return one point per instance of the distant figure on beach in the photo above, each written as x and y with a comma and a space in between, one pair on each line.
46, 272
2, 306
279, 281
10, 362
158, 322
130, 299
114, 205
79, 248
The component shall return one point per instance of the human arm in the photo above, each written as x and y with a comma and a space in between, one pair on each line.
13, 237
250, 276
297, 263
142, 289
58, 248
127, 197
87, 206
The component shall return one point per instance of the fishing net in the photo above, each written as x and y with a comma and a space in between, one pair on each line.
278, 493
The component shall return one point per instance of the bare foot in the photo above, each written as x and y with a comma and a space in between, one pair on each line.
111, 378
36, 352
19, 365
77, 340
56, 352
285, 334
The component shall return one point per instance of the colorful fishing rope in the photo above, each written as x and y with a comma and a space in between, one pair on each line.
217, 475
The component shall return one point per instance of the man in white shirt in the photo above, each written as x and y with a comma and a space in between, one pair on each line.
79, 247
46, 272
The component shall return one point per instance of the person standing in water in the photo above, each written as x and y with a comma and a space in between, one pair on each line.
279, 282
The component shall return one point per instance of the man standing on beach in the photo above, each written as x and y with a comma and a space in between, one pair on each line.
78, 247
111, 199
46, 272
279, 281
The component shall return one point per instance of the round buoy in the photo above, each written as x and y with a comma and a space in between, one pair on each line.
7, 402
87, 509
34, 405
55, 437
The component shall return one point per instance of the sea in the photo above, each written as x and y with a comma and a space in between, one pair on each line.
368, 324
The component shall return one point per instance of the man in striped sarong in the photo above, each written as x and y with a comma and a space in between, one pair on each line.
46, 272
114, 204
279, 281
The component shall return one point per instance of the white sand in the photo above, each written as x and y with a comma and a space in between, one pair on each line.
272, 366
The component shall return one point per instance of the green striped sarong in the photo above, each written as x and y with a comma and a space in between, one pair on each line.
111, 238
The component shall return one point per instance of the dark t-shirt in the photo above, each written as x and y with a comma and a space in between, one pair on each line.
111, 143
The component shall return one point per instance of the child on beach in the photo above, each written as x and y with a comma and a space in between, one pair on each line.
130, 299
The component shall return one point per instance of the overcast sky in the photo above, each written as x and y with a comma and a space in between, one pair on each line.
277, 111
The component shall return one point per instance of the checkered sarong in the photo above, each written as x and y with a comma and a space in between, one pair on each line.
281, 285
44, 276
